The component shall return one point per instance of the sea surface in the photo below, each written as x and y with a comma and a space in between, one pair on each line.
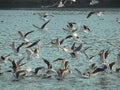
103, 31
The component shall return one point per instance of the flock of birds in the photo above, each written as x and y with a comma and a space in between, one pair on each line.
33, 51
61, 3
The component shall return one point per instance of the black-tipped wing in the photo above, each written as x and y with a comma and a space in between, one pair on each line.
61, 42
43, 26
20, 33
48, 63
73, 46
37, 69
111, 65
33, 44
69, 36
18, 62
66, 64
91, 13
18, 48
28, 33
78, 71
36, 26
58, 59
106, 53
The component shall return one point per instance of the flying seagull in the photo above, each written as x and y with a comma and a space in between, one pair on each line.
24, 35
42, 27
44, 16
93, 2
98, 13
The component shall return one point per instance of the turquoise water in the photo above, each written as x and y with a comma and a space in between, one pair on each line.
103, 29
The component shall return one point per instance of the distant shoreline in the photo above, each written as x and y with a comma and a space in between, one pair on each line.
64, 9
48, 5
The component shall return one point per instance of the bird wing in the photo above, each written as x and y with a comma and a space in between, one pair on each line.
47, 62
33, 44
20, 33
111, 65
89, 14
28, 33
37, 69
36, 26
43, 26
69, 36
73, 46
61, 42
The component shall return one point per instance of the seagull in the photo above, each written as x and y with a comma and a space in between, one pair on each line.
66, 49
92, 67
23, 36
64, 62
20, 74
57, 42
70, 26
4, 58
42, 27
103, 55
16, 49
86, 29
61, 73
93, 2
34, 52
72, 1
49, 66
85, 75
75, 50
16, 64
74, 35
98, 13
100, 69
44, 15
61, 3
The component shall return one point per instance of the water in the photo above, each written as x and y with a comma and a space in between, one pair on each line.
103, 29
